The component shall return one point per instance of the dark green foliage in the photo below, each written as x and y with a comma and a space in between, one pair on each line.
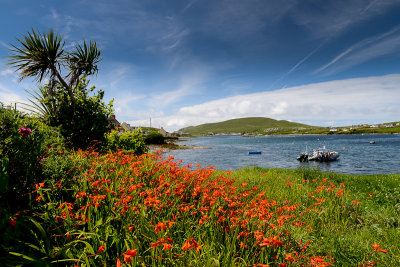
155, 138
21, 153
85, 123
134, 142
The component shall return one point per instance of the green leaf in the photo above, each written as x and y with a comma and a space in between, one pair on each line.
25, 257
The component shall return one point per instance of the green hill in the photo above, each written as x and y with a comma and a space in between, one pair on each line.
252, 125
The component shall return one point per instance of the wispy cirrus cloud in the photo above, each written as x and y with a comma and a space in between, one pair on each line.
365, 50
7, 46
334, 17
190, 84
352, 101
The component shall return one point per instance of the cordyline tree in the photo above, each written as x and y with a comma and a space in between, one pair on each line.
65, 98
42, 55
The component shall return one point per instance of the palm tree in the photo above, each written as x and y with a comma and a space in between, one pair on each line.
42, 55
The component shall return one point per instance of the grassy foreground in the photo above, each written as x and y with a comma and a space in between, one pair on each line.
125, 210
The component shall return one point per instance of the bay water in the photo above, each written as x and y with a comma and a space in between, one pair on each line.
357, 155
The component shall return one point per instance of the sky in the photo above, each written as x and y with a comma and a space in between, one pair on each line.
188, 62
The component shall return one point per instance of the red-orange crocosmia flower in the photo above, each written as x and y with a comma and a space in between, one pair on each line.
289, 257
11, 223
127, 258
132, 252
39, 185
187, 245
377, 247
166, 246
160, 226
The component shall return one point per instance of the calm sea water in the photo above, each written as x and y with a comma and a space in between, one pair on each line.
357, 155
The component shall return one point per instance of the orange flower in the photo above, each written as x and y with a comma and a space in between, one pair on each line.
39, 198
377, 247
160, 226
289, 257
39, 185
11, 223
131, 252
187, 245
276, 242
340, 193
80, 194
127, 258
166, 246
128, 254
242, 245
192, 243
198, 248
101, 249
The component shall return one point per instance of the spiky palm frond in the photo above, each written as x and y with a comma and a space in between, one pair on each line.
39, 56
38, 106
83, 60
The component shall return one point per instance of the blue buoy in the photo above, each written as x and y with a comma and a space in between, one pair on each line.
254, 152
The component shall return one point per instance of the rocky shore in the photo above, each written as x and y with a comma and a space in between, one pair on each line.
171, 145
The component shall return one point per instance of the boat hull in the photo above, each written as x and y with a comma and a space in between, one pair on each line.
320, 156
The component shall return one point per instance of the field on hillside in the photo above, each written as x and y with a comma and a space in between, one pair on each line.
246, 125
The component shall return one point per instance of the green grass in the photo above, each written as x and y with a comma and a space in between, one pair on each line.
375, 219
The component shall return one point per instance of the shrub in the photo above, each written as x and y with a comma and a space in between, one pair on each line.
134, 142
83, 123
24, 142
154, 138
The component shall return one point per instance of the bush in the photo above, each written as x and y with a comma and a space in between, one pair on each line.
154, 138
83, 123
24, 142
134, 142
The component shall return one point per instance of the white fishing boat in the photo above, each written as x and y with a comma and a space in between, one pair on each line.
321, 154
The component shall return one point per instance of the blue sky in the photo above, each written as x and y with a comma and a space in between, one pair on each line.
326, 63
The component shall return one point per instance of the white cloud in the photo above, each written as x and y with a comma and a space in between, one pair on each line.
8, 97
7, 72
360, 100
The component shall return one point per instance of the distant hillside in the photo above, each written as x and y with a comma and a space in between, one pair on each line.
254, 125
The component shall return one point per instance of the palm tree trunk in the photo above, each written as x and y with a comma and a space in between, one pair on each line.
69, 88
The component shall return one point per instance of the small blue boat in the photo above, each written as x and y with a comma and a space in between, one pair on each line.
254, 152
